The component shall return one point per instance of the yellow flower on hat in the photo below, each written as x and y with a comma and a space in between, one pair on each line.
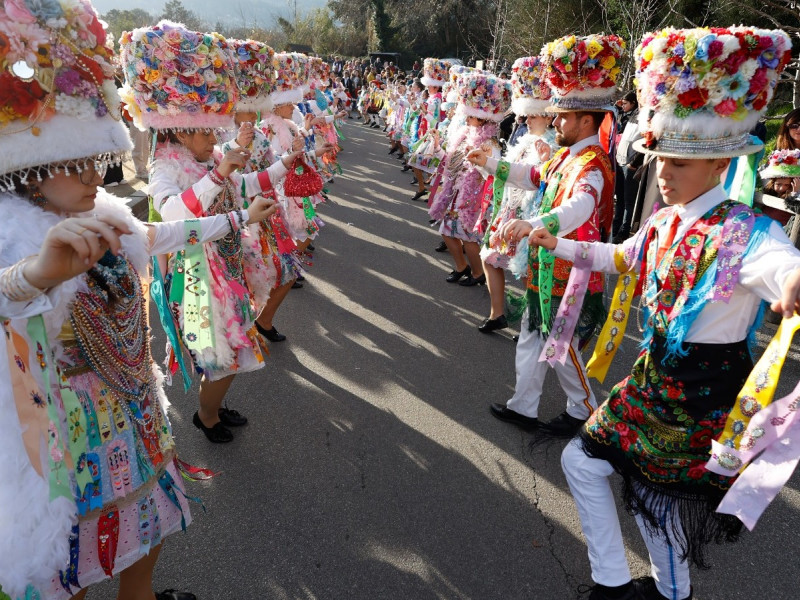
613, 74
608, 62
593, 48
569, 42
647, 55
151, 76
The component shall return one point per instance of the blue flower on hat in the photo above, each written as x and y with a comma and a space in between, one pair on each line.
768, 59
45, 9
735, 86
701, 53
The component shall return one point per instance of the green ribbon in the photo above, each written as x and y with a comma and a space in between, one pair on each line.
192, 289
77, 430
159, 297
498, 186
310, 213
59, 475
153, 216
546, 259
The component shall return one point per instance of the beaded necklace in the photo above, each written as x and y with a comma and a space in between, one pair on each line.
230, 246
112, 333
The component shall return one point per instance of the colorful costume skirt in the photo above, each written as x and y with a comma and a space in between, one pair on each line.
140, 523
656, 429
452, 226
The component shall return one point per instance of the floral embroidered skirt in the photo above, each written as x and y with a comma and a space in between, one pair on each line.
656, 429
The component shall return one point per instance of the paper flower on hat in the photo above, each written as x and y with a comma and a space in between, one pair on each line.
530, 94
178, 79
255, 77
702, 90
56, 79
582, 71
782, 163
291, 74
484, 96
435, 72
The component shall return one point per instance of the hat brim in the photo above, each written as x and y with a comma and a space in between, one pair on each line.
639, 146
428, 81
558, 109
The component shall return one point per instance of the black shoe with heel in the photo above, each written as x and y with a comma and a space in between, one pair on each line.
419, 195
175, 595
502, 412
470, 281
231, 417
271, 334
217, 434
490, 325
455, 276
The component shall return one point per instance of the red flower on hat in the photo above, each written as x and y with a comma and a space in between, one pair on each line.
695, 98
23, 97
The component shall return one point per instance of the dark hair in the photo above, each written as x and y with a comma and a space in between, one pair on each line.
631, 97
597, 117
784, 140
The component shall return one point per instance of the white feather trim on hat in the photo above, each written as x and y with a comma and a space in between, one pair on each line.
293, 96
426, 81
60, 139
529, 106
257, 104
481, 114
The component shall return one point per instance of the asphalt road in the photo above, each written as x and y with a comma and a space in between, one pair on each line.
371, 468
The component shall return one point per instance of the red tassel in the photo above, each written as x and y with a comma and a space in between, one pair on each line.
194, 473
107, 538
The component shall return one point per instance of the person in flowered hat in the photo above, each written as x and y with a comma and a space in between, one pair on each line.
89, 477
577, 203
672, 429
184, 95
456, 201
530, 100
781, 178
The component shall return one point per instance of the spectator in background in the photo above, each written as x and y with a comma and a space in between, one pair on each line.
520, 129
628, 160
789, 132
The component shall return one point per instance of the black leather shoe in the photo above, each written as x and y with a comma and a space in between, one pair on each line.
300, 278
231, 417
218, 434
515, 338
602, 592
392, 151
647, 590
502, 412
175, 595
271, 334
419, 195
442, 247
296, 285
490, 325
405, 168
311, 248
564, 425
470, 281
457, 275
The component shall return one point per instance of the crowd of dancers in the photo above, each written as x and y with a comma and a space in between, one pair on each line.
91, 481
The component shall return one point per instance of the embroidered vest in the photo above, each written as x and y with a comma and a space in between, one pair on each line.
564, 173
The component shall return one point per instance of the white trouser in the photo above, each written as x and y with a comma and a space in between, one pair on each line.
588, 481
531, 373
141, 150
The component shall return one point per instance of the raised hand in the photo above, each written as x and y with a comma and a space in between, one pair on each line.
298, 144
541, 237
515, 229
789, 302
245, 135
261, 209
233, 160
72, 247
478, 157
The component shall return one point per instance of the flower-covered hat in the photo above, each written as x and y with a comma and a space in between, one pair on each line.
58, 101
530, 94
178, 79
702, 90
313, 73
484, 96
435, 72
782, 163
255, 77
291, 74
582, 72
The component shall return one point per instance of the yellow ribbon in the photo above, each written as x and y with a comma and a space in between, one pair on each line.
613, 331
759, 389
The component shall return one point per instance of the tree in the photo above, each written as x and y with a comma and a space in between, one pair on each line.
126, 20
175, 11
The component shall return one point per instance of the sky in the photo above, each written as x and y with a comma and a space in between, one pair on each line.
261, 12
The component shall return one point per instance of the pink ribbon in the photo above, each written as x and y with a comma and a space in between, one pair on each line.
774, 432
556, 348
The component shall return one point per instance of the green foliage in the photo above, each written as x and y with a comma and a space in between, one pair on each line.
126, 20
175, 11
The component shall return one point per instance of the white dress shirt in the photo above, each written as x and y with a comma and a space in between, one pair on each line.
763, 273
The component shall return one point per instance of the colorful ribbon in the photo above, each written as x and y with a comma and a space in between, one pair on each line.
557, 346
159, 297
772, 434
614, 328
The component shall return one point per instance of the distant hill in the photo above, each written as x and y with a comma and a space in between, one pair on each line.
260, 12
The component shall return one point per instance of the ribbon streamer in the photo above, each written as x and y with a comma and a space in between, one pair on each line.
558, 343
